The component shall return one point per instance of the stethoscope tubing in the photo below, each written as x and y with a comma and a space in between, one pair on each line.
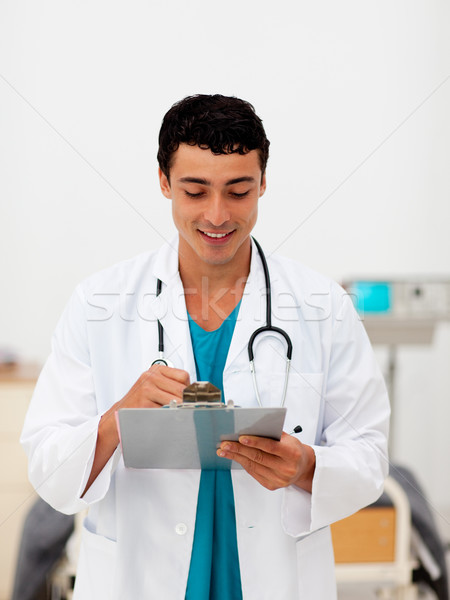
268, 327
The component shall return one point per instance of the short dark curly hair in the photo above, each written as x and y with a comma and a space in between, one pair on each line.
222, 124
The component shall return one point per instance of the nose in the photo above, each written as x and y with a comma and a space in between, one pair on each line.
217, 211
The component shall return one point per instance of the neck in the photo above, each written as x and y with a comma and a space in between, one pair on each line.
230, 275
212, 291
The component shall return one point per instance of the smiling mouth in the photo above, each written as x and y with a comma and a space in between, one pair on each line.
216, 236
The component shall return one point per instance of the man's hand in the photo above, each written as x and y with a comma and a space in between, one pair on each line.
273, 464
155, 388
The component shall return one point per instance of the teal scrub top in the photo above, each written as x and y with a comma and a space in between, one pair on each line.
214, 572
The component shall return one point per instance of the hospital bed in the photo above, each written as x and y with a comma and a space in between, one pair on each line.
393, 545
397, 312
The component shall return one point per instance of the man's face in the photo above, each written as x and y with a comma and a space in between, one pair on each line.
214, 203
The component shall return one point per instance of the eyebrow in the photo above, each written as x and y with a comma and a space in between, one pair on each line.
202, 181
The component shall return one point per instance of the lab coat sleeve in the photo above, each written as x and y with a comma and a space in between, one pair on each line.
60, 430
351, 454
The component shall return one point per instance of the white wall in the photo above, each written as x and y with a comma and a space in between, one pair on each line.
358, 175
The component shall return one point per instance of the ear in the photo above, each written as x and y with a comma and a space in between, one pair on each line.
165, 185
262, 187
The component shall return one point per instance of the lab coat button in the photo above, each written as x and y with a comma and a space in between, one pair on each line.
181, 528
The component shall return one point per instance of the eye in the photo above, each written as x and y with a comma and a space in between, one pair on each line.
239, 195
192, 195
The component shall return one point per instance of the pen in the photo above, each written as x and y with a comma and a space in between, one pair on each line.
297, 429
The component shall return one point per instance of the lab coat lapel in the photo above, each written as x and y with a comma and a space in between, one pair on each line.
178, 346
252, 313
170, 308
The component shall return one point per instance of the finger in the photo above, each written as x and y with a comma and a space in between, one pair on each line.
284, 467
179, 375
167, 386
263, 444
144, 397
288, 448
264, 475
162, 399
239, 452
152, 389
165, 382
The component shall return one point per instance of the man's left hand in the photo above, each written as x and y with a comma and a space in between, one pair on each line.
273, 464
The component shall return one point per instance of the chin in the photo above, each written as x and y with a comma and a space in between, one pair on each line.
217, 258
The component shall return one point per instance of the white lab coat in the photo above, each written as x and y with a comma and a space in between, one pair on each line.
137, 537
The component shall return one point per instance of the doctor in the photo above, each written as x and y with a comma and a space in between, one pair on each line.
261, 532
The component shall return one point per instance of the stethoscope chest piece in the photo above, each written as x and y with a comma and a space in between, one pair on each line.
162, 361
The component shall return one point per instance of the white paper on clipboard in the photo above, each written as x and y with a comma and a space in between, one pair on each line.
187, 438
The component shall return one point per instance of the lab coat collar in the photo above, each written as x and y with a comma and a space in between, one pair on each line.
166, 263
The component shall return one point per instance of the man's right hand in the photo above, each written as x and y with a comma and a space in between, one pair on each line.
154, 388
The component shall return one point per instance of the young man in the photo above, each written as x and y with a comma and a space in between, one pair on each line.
257, 532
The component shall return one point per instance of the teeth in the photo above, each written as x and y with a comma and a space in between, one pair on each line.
215, 235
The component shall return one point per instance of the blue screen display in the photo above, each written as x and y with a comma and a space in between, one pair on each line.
372, 296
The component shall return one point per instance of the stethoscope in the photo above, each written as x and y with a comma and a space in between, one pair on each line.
161, 360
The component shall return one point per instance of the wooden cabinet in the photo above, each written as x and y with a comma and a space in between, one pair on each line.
16, 493
366, 536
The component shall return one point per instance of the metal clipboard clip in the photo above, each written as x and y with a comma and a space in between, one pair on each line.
201, 394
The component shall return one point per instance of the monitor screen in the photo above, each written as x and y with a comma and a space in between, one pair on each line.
372, 297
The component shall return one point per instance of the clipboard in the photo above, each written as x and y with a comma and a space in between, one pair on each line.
187, 438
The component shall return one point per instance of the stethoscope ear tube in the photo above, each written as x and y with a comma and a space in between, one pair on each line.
268, 328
